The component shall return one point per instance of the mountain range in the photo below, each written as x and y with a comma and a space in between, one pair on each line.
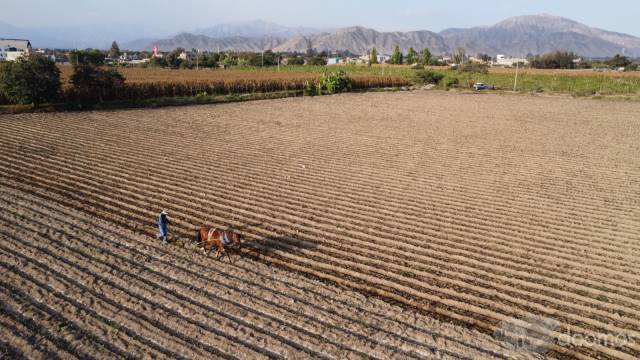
256, 28
517, 36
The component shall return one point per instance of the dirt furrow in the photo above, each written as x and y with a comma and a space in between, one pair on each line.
241, 308
409, 199
130, 247
537, 238
500, 291
29, 340
451, 195
32, 296
521, 255
120, 318
192, 308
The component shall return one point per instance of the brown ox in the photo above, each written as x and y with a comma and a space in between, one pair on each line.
211, 238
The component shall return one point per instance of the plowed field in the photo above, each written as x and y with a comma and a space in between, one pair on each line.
403, 225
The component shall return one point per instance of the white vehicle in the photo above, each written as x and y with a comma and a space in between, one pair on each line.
482, 86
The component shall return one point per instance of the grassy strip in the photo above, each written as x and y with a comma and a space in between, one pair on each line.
147, 103
578, 84
160, 102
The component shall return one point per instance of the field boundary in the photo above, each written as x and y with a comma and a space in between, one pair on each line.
171, 101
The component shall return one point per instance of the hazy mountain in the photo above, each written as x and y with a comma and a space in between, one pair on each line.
8, 30
539, 34
201, 42
37, 38
85, 36
256, 28
359, 40
520, 35
139, 44
240, 36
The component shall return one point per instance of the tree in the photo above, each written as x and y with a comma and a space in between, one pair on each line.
114, 52
296, 60
396, 57
555, 60
484, 58
426, 57
619, 61
373, 56
208, 60
270, 58
173, 58
317, 61
459, 56
30, 79
93, 57
228, 59
95, 84
412, 56
157, 62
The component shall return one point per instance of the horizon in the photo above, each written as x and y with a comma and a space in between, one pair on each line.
158, 19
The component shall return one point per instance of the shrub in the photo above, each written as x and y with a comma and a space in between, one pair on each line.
428, 77
158, 62
94, 84
619, 61
310, 89
334, 82
295, 61
317, 61
451, 82
475, 68
30, 80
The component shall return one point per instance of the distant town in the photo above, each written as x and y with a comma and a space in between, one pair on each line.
12, 49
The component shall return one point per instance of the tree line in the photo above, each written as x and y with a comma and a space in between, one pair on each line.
398, 58
570, 60
35, 79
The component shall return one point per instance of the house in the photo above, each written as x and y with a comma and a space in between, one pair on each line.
446, 59
477, 60
382, 58
502, 60
51, 55
334, 61
11, 49
356, 60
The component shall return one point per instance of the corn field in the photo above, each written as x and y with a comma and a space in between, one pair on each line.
224, 86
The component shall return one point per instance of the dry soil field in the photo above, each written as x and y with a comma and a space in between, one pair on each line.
405, 225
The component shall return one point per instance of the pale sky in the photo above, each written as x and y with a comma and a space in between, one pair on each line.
386, 15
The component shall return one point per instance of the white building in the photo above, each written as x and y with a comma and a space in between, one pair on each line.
502, 60
51, 56
11, 49
334, 61
382, 58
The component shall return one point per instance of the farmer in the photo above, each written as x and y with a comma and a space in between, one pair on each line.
163, 225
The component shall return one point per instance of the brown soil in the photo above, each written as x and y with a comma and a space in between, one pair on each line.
467, 208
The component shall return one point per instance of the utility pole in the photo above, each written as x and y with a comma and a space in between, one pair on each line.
515, 81
278, 62
262, 58
197, 59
